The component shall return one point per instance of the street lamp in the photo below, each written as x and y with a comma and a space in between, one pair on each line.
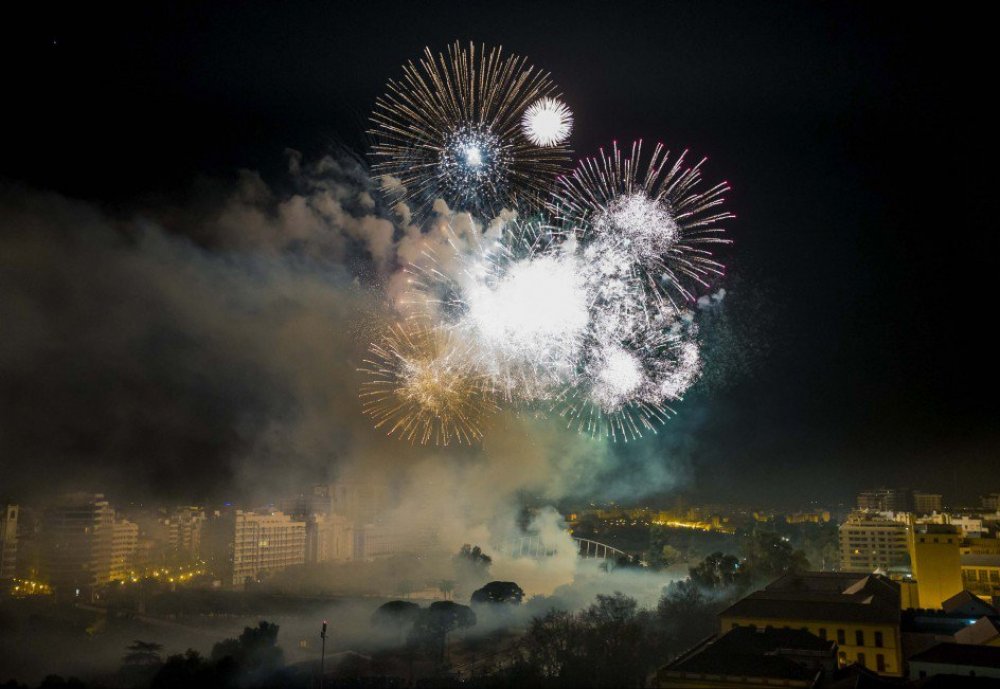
322, 654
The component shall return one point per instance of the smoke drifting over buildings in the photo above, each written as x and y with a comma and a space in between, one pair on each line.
207, 350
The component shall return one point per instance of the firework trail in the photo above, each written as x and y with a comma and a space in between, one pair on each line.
451, 128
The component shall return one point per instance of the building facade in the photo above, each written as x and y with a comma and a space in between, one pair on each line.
329, 538
861, 614
926, 503
8, 540
77, 542
871, 541
242, 547
124, 543
935, 562
981, 575
883, 500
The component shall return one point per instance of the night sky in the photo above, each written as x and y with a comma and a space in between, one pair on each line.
854, 135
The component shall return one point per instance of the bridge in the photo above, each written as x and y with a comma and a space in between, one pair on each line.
534, 547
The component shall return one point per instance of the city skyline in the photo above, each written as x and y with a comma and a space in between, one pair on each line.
458, 344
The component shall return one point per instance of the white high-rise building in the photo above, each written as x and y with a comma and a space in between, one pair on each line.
78, 539
265, 542
872, 541
123, 548
329, 538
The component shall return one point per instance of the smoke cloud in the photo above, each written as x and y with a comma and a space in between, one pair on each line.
207, 348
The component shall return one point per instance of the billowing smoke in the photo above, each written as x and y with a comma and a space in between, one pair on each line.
207, 348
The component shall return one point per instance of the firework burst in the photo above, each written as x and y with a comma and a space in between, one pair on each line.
649, 218
518, 299
625, 387
547, 122
422, 387
451, 129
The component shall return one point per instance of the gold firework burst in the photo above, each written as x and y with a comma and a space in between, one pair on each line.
423, 388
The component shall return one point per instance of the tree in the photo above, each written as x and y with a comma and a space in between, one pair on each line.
397, 616
685, 614
143, 653
446, 587
141, 662
610, 644
192, 671
663, 555
256, 652
433, 625
770, 556
718, 571
552, 643
473, 558
499, 592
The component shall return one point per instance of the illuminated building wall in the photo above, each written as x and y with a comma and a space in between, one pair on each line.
8, 541
123, 549
78, 536
981, 574
265, 542
860, 613
184, 533
870, 542
935, 562
329, 538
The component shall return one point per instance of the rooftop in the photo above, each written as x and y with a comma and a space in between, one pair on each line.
817, 596
755, 653
968, 603
983, 631
960, 654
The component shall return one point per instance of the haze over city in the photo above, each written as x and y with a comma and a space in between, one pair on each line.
631, 317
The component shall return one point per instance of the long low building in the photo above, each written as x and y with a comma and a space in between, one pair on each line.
746, 658
861, 613
957, 661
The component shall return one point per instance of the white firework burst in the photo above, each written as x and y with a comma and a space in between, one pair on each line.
450, 129
652, 214
547, 122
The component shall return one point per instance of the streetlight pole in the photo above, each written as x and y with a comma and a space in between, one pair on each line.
322, 654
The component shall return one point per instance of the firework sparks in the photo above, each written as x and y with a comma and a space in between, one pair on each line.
590, 318
653, 217
451, 129
421, 387
519, 302
551, 321
547, 122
